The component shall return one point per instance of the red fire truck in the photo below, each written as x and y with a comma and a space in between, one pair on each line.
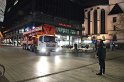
41, 39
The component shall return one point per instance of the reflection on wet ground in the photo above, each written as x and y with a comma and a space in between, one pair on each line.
22, 65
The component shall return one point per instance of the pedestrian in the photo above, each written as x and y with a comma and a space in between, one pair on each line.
75, 46
96, 45
14, 43
101, 54
87, 46
111, 45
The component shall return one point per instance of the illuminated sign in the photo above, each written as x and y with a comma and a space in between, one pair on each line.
61, 30
64, 25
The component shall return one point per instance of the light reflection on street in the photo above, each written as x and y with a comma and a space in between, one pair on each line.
42, 66
57, 60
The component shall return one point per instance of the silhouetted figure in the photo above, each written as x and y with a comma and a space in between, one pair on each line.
14, 43
75, 46
101, 54
96, 46
111, 45
86, 46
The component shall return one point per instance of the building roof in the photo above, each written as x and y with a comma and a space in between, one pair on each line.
116, 10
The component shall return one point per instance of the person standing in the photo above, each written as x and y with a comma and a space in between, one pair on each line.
75, 46
111, 45
96, 45
101, 54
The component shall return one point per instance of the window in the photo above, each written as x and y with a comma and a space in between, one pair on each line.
89, 22
114, 19
49, 39
103, 21
114, 28
95, 21
40, 38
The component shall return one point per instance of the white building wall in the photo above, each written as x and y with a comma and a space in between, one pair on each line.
91, 22
99, 24
120, 36
106, 8
109, 20
86, 23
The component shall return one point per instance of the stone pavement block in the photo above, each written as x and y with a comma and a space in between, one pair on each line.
114, 73
88, 74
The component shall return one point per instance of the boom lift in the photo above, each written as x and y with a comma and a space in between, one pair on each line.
41, 39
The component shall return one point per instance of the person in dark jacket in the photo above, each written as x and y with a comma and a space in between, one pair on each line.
75, 46
101, 54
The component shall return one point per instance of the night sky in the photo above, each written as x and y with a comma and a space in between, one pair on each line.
69, 9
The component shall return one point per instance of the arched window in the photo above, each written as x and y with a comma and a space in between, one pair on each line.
89, 23
95, 21
102, 21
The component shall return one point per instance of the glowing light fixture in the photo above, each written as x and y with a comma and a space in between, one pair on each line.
33, 27
87, 41
15, 2
43, 50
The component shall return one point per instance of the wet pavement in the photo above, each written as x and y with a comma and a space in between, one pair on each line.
25, 66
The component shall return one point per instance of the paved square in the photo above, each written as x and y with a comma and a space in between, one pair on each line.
25, 66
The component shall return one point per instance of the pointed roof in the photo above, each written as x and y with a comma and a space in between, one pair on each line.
115, 10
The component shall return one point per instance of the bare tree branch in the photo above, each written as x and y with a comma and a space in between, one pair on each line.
119, 25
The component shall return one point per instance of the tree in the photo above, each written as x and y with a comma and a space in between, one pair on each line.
119, 25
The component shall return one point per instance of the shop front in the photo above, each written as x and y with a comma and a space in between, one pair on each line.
13, 37
68, 32
67, 37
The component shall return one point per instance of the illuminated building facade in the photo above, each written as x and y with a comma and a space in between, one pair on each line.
99, 21
68, 32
